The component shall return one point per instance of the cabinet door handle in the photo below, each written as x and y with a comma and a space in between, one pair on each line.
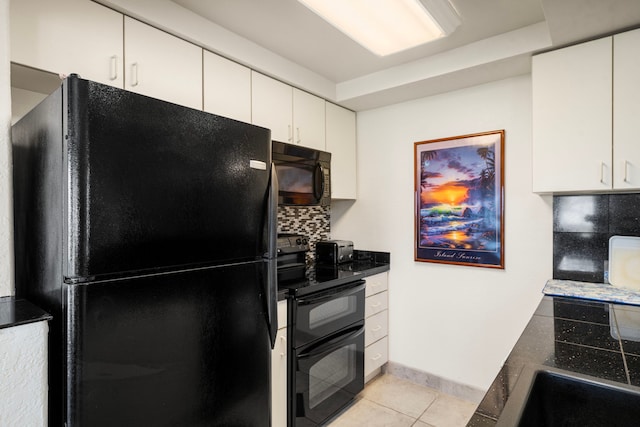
289, 134
376, 304
113, 69
298, 130
376, 329
376, 357
134, 74
626, 170
602, 166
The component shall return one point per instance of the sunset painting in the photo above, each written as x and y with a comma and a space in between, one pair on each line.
459, 216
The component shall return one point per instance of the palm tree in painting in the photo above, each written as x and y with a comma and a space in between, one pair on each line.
487, 178
425, 158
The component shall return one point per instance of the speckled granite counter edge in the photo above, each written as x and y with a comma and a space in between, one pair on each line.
15, 312
591, 291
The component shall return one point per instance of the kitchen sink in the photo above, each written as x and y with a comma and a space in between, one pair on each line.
550, 397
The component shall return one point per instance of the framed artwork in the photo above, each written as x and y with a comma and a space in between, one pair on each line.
459, 209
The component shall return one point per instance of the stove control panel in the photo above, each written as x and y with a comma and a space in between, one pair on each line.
292, 243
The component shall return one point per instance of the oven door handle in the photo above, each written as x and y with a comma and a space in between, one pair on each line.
331, 344
326, 296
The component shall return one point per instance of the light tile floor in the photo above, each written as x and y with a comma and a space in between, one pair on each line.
395, 402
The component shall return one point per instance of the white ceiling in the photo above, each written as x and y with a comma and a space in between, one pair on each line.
495, 40
294, 32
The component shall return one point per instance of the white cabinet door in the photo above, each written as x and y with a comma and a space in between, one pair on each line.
572, 124
68, 36
626, 109
308, 120
376, 327
279, 370
376, 284
272, 106
341, 143
162, 66
279, 380
375, 356
226, 88
375, 304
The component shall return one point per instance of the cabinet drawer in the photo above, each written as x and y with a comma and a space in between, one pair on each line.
376, 355
376, 327
282, 314
375, 304
376, 284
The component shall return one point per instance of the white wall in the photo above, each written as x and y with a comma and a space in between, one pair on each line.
23, 375
456, 322
6, 193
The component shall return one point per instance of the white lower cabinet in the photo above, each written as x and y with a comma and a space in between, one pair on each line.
375, 355
377, 328
376, 324
279, 371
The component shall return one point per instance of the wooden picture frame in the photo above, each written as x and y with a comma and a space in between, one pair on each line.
459, 200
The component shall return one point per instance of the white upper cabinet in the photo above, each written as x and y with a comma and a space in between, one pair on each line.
162, 66
68, 36
572, 123
341, 143
294, 116
226, 88
308, 120
272, 106
626, 108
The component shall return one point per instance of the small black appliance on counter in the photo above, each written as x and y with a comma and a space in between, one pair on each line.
332, 252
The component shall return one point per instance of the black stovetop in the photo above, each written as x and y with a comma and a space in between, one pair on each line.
322, 277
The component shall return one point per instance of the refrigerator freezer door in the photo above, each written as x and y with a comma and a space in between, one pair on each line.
188, 349
153, 185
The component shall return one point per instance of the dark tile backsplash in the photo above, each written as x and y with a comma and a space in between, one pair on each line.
582, 226
313, 222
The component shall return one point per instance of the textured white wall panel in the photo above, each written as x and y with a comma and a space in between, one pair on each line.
23, 375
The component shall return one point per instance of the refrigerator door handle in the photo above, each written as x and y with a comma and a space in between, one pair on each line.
271, 255
272, 215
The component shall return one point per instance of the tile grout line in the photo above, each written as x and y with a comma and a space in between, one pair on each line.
392, 409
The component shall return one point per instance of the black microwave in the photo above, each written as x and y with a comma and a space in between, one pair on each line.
304, 175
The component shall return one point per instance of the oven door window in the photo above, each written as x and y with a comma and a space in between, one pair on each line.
332, 311
322, 314
329, 374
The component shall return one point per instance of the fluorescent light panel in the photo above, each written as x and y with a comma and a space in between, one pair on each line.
382, 26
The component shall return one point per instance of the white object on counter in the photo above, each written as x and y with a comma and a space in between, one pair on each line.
624, 262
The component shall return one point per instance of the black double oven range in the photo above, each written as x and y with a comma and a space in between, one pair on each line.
325, 334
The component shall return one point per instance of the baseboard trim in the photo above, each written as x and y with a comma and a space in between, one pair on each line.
443, 385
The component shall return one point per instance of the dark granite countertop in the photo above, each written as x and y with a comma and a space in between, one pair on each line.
599, 339
15, 312
320, 277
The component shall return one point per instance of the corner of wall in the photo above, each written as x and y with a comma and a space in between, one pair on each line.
6, 193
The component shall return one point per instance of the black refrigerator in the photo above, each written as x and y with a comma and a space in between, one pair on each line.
148, 231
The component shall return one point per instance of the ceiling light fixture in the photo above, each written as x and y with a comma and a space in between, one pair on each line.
388, 26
